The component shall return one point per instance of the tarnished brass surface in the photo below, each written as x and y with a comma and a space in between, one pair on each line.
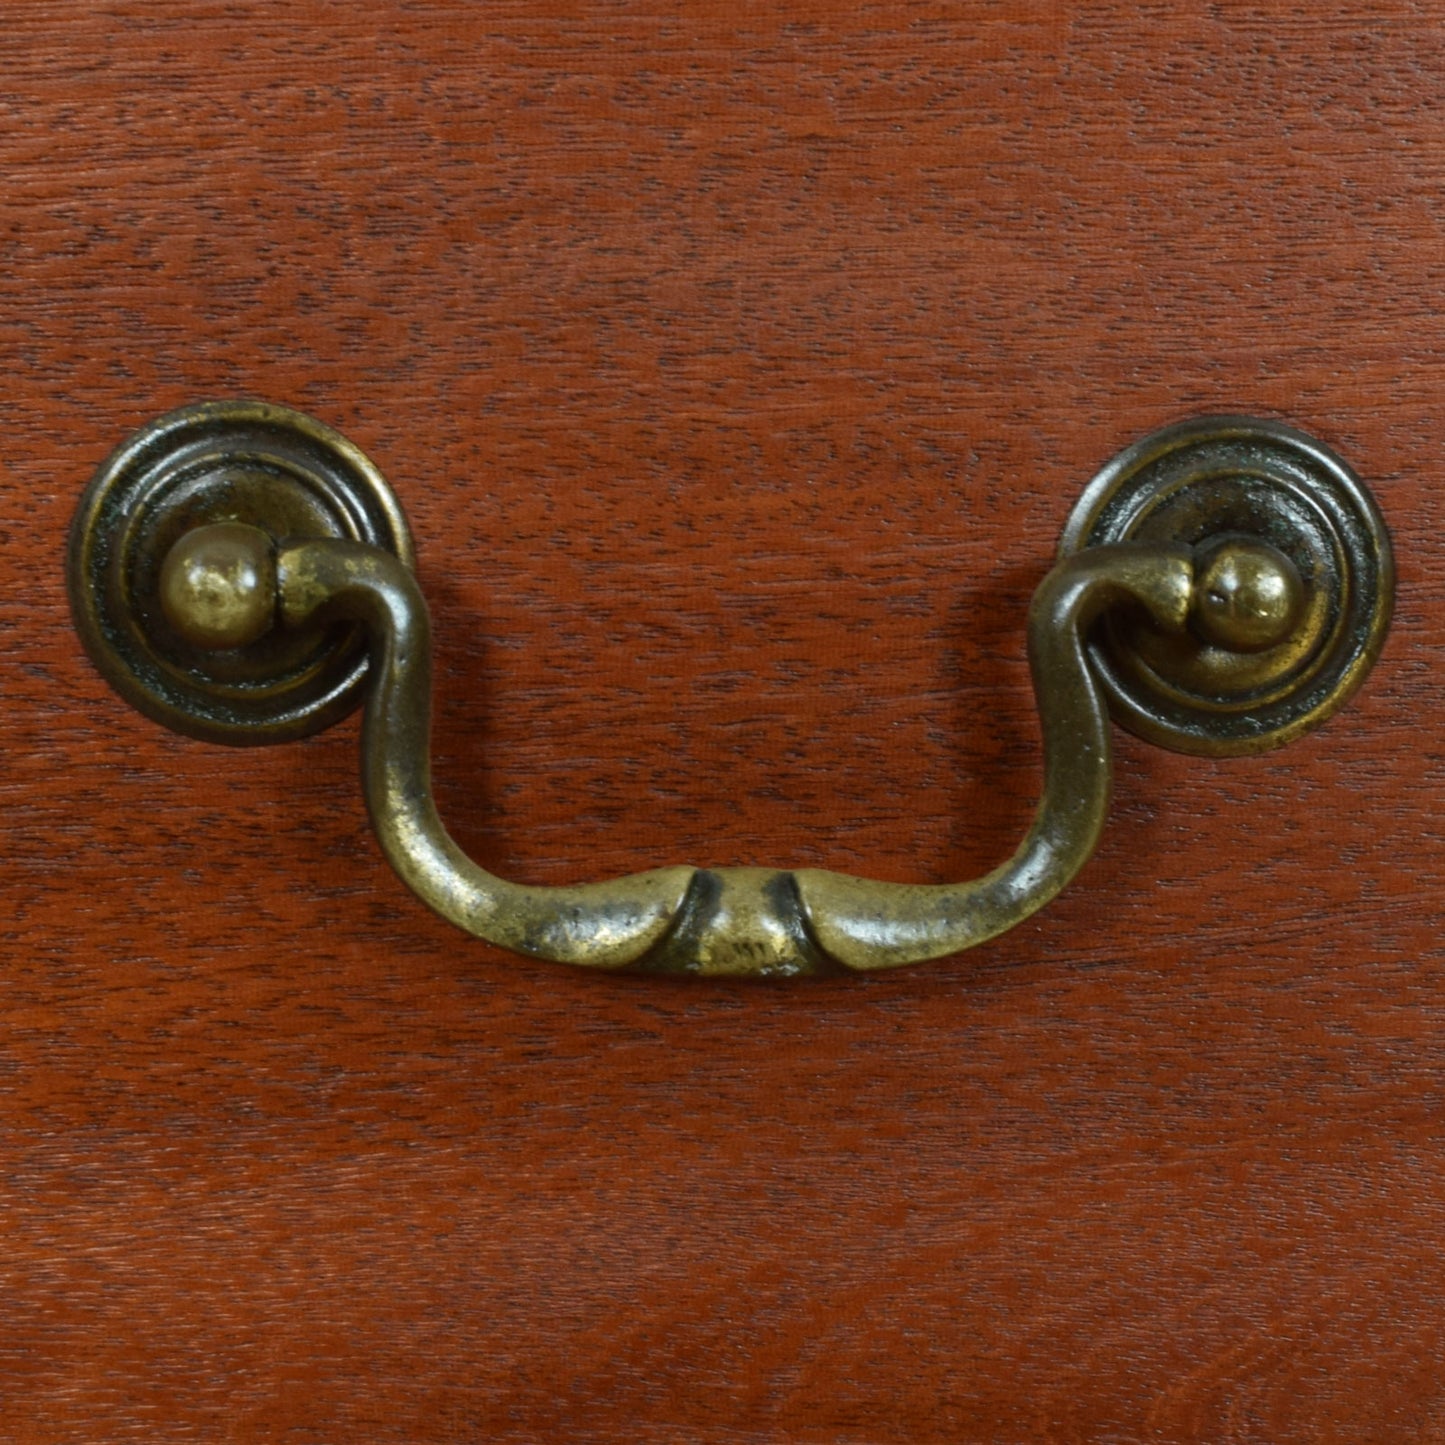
1249, 610
241, 462
734, 920
218, 586
1226, 686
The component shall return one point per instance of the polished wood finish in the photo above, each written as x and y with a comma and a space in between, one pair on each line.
737, 366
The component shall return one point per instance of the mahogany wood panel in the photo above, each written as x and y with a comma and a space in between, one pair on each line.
738, 365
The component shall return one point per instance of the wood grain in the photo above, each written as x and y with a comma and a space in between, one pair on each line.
738, 366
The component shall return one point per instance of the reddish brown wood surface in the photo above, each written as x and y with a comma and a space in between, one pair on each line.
738, 366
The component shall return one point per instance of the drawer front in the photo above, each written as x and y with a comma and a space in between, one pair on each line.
738, 368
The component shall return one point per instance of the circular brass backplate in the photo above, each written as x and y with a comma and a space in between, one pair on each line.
244, 461
1239, 478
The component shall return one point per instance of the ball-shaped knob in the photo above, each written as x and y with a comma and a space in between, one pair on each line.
1247, 595
218, 585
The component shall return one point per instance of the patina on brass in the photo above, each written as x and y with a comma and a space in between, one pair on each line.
218, 586
1243, 606
241, 462
1320, 555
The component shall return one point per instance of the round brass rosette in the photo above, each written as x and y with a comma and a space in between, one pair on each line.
257, 466
1317, 554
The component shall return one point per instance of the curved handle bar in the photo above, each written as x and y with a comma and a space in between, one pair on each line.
757, 921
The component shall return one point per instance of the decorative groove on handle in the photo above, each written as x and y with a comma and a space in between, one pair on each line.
1227, 583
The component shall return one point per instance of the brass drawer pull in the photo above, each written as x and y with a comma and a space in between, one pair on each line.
243, 574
